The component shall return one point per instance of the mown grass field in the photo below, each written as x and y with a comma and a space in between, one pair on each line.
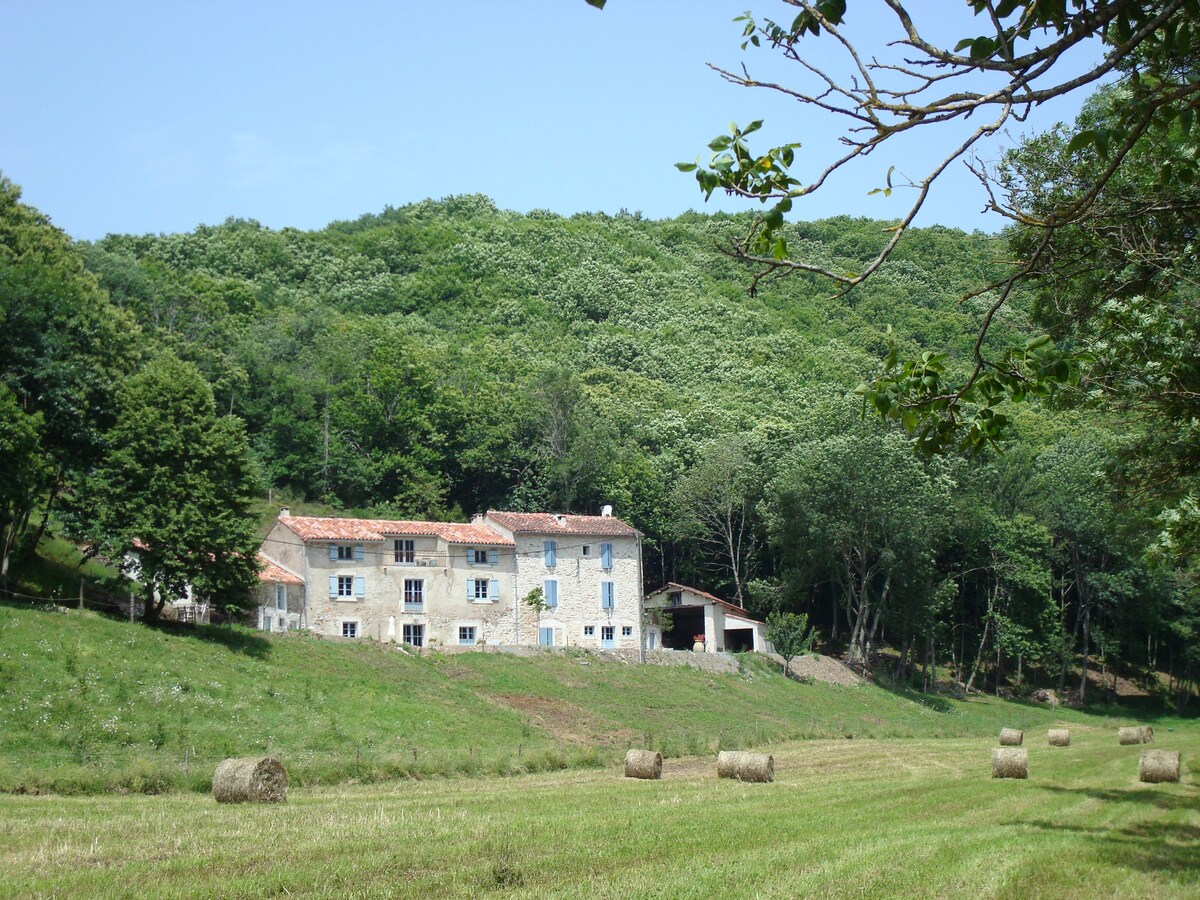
90, 704
865, 818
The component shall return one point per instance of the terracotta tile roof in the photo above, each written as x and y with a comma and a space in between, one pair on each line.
549, 523
272, 572
732, 607
316, 528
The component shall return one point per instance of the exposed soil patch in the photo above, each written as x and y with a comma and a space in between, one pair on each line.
566, 721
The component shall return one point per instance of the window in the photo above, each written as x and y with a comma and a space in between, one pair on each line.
414, 595
477, 589
550, 592
608, 595
346, 552
675, 598
626, 631
414, 635
481, 556
550, 551
587, 550
268, 622
589, 630
349, 629
405, 552
281, 597
606, 556
607, 639
347, 586
466, 634
545, 637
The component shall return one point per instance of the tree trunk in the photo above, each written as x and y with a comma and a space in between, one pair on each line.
1086, 651
979, 656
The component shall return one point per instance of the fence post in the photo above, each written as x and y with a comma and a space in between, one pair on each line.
131, 607
80, 593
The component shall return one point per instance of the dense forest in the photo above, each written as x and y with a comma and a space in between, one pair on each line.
446, 357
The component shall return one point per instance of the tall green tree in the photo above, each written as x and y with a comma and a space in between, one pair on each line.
861, 512
172, 496
64, 347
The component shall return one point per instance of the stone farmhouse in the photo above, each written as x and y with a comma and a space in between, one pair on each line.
456, 585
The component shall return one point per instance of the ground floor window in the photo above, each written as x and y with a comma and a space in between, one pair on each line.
268, 622
545, 637
589, 630
466, 634
414, 635
626, 631
349, 629
608, 636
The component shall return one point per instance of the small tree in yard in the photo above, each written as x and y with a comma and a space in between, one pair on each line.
789, 634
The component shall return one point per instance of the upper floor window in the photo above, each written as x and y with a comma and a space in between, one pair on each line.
405, 551
346, 552
606, 556
675, 598
550, 551
281, 597
345, 585
586, 550
608, 595
482, 556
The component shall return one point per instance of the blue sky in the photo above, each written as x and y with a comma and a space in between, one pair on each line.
160, 116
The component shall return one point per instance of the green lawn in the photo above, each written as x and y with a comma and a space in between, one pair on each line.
875, 818
90, 704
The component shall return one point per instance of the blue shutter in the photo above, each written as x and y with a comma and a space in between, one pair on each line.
551, 550
470, 556
470, 588
358, 552
550, 590
607, 595
494, 589
332, 585
360, 586
493, 556
333, 551
606, 556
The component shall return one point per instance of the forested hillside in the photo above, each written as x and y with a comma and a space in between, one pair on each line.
439, 359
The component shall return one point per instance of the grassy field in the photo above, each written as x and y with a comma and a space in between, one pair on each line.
864, 818
90, 704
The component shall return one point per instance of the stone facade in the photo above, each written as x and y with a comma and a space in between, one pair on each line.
447, 584
590, 565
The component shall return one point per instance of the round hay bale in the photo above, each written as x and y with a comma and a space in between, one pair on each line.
1010, 762
1059, 737
643, 764
745, 766
1159, 765
1011, 737
1135, 734
250, 779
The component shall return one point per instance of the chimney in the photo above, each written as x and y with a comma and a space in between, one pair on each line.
284, 512
606, 511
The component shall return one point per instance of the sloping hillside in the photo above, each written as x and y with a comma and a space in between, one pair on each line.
88, 703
